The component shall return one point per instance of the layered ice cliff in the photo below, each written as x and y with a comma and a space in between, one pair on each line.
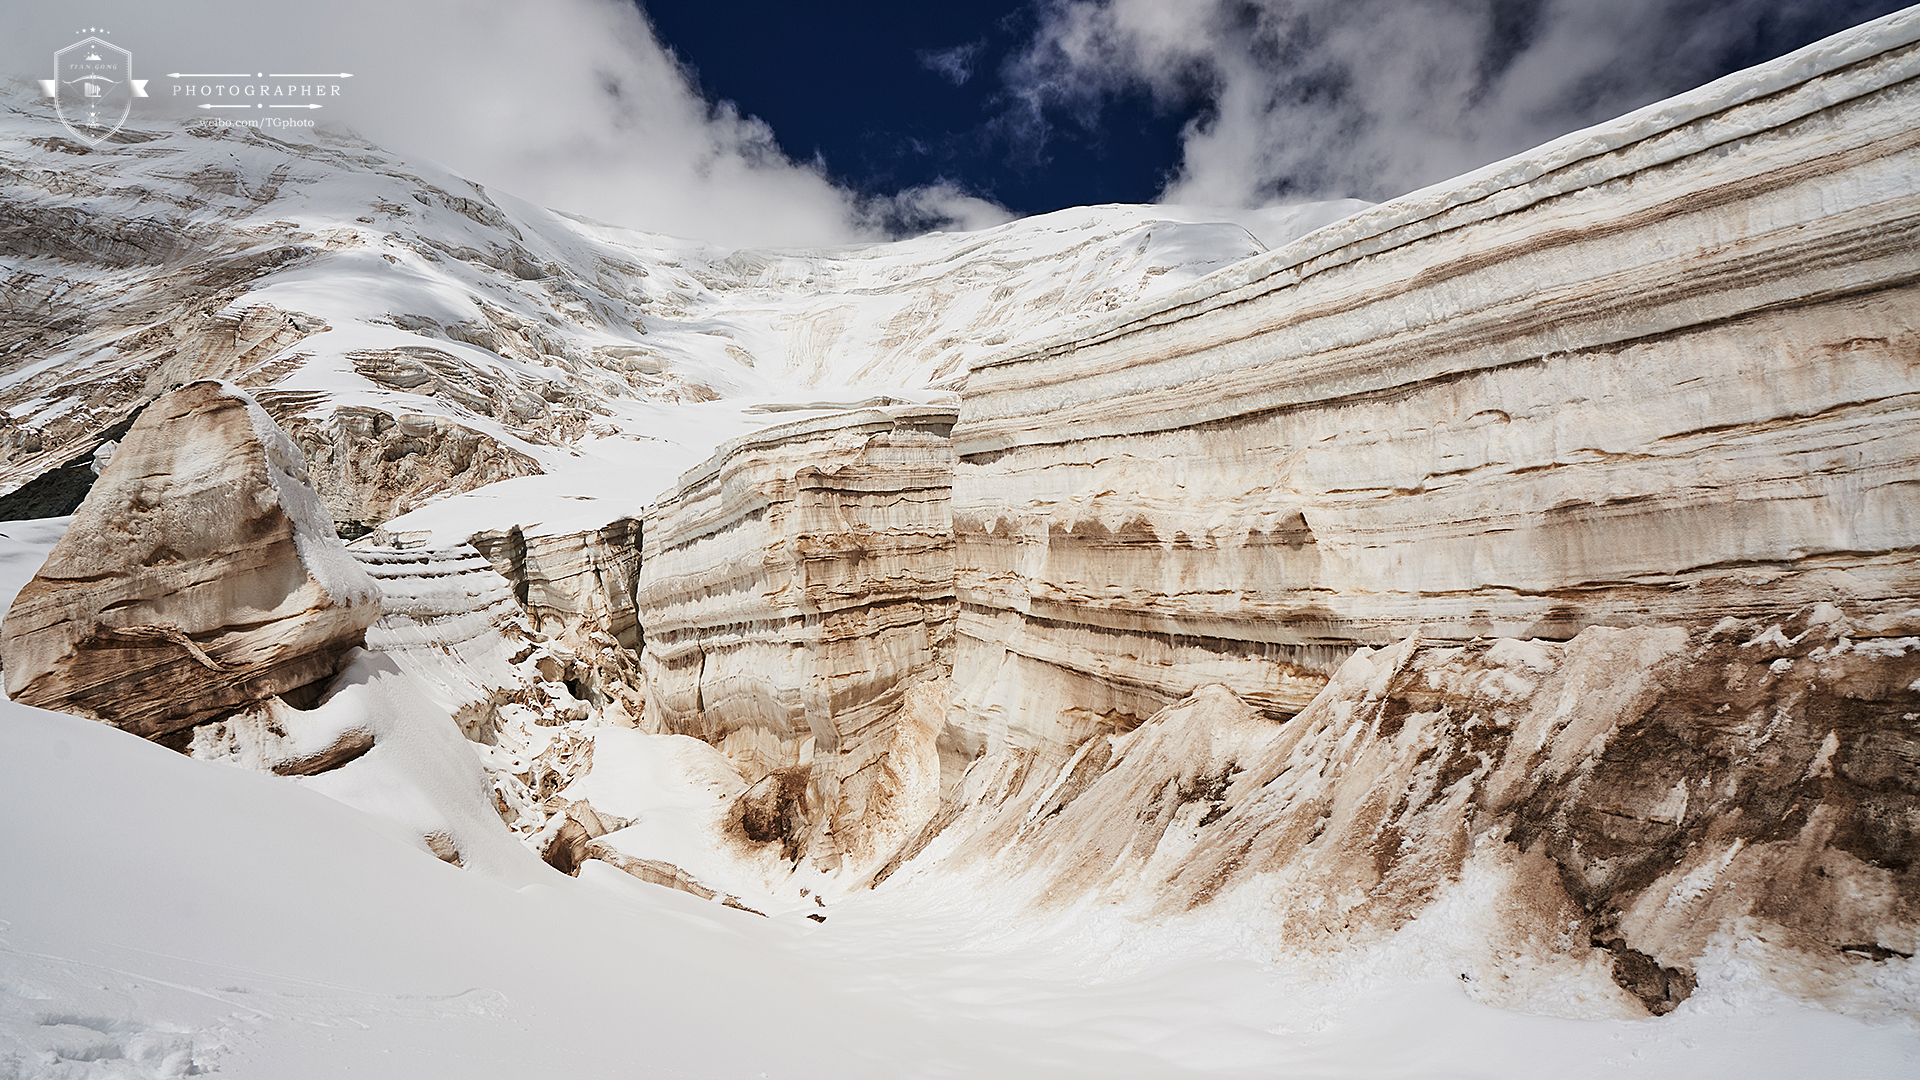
1611, 446
1656, 372
794, 591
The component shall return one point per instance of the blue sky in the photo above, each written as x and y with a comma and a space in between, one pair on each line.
1041, 104
895, 95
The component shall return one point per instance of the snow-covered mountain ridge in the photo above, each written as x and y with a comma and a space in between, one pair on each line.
419, 336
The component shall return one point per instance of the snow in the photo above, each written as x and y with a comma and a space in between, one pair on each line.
421, 774
162, 916
290, 935
614, 477
1274, 226
183, 917
1885, 647
23, 548
186, 915
222, 919
668, 346
675, 790
320, 549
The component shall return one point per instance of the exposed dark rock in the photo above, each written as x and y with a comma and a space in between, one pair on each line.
774, 810
59, 492
1661, 988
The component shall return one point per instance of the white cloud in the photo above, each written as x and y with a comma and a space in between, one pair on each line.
1371, 98
569, 103
937, 206
954, 65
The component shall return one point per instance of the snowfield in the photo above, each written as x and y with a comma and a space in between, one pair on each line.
176, 917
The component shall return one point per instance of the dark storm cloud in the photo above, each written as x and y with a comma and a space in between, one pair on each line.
1372, 98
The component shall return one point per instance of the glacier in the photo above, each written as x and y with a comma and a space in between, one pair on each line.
1471, 635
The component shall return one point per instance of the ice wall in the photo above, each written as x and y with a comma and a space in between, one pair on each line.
1659, 371
793, 590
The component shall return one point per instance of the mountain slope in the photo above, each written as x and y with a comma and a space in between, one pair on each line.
420, 336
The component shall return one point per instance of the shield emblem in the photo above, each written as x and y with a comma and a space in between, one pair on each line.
93, 88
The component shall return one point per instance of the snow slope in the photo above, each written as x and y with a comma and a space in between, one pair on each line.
238, 925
